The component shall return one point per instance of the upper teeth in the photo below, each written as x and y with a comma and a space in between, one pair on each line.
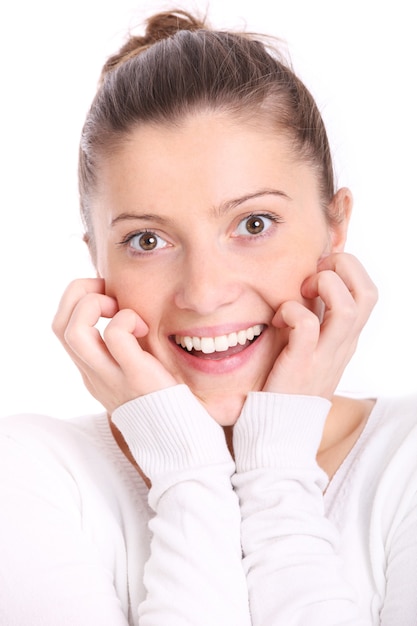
221, 343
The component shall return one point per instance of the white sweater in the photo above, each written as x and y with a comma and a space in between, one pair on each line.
82, 542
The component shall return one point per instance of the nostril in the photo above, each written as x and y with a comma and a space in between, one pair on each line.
206, 296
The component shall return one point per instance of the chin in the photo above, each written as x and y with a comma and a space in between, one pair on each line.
224, 396
224, 409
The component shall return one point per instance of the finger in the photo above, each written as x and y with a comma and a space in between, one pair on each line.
120, 336
354, 275
75, 291
354, 279
81, 338
343, 318
332, 290
303, 324
143, 372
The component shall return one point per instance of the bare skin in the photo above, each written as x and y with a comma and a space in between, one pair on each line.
344, 425
233, 237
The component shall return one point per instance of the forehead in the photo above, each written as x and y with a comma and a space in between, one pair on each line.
204, 159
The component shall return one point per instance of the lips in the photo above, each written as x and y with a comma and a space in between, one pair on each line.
226, 345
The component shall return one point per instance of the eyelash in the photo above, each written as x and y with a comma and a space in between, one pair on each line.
275, 219
126, 241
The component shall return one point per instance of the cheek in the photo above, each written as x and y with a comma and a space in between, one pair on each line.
137, 291
283, 277
309, 248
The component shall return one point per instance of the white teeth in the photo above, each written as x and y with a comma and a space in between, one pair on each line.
257, 329
188, 343
208, 345
232, 339
241, 337
221, 343
250, 334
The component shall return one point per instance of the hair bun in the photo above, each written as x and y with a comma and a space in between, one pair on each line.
158, 27
163, 25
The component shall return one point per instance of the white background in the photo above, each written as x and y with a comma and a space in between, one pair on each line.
358, 57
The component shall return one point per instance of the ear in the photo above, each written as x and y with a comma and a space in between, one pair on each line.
340, 210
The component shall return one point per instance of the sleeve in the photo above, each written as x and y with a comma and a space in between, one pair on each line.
290, 549
194, 574
400, 603
50, 572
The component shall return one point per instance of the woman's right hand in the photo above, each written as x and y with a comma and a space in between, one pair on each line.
114, 367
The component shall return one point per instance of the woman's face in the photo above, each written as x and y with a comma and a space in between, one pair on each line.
204, 229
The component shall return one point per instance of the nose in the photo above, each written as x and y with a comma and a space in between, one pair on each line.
207, 282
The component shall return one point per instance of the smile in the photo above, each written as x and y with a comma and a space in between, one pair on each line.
222, 343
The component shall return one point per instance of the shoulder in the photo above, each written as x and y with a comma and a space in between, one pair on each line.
393, 422
66, 463
385, 449
380, 471
402, 407
41, 432
23, 425
390, 455
384, 460
42, 448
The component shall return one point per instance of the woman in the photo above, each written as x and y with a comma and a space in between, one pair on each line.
226, 483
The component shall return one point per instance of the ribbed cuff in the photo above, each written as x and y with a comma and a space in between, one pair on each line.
169, 431
279, 431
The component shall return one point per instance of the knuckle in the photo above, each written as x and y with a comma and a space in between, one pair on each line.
310, 321
115, 326
73, 335
349, 312
56, 326
371, 294
109, 332
68, 336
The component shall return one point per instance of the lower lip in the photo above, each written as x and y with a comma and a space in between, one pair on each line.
217, 364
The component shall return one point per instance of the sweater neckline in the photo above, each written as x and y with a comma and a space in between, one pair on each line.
140, 488
344, 468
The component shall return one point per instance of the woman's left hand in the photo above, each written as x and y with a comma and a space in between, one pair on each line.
318, 351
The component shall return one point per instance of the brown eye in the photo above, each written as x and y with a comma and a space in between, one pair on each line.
255, 225
148, 241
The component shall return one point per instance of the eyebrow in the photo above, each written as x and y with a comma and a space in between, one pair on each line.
224, 207
232, 204
147, 217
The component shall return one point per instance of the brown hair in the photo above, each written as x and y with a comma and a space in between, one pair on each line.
180, 66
